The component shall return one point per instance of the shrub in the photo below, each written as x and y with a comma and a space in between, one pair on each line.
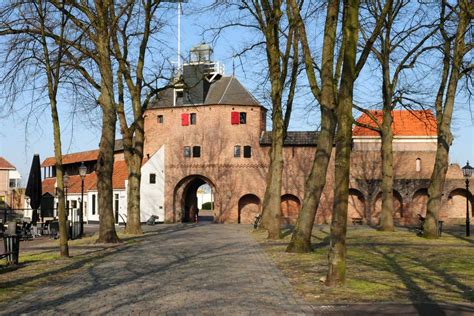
207, 206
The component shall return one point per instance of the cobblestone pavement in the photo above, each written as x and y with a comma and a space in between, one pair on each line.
179, 269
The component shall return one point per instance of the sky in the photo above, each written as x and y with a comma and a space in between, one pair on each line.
22, 136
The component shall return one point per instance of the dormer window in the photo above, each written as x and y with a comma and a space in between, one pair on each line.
418, 165
179, 95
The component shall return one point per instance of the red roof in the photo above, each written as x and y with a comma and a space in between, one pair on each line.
73, 158
4, 164
49, 185
405, 123
119, 176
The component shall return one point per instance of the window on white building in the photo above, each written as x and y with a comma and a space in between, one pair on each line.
93, 204
13, 183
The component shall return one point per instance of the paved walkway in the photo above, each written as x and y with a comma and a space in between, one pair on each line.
182, 269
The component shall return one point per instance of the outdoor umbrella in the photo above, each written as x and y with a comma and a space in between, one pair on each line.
33, 188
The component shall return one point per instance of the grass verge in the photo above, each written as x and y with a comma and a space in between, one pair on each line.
381, 267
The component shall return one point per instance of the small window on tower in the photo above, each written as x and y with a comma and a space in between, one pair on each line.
152, 178
187, 151
237, 151
160, 119
247, 151
192, 118
196, 151
243, 118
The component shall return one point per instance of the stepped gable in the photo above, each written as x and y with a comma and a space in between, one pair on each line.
292, 139
405, 123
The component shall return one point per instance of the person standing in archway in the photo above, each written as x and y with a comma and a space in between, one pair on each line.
196, 213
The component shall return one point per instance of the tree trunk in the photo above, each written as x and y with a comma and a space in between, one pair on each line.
301, 238
271, 218
438, 177
444, 117
337, 248
386, 215
105, 161
271, 212
134, 164
105, 165
63, 229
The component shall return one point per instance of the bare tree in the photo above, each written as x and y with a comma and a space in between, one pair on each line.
282, 58
137, 16
325, 92
35, 54
458, 18
398, 48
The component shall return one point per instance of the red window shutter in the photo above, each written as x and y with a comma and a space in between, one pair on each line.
234, 118
184, 119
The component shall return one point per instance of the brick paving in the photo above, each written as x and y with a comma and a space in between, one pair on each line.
178, 269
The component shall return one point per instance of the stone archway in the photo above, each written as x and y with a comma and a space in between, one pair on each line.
356, 208
397, 207
454, 209
186, 199
249, 207
290, 207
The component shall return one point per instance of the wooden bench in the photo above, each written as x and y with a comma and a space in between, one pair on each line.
357, 220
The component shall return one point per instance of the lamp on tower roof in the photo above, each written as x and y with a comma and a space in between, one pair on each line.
467, 172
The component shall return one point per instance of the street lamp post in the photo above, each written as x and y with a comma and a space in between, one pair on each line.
467, 171
82, 173
66, 183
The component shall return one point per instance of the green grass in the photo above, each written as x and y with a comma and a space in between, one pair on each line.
382, 267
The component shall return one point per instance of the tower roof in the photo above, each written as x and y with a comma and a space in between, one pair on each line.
227, 90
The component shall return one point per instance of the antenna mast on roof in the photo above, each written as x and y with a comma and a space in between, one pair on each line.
180, 11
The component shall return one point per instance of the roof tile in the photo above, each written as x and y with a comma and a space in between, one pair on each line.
405, 123
4, 164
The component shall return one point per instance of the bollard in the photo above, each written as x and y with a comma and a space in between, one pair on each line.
12, 247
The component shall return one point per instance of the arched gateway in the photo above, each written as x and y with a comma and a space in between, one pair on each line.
186, 198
